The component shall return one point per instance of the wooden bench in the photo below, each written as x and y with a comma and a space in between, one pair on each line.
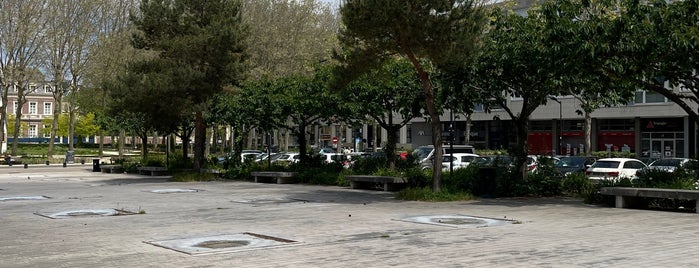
370, 182
279, 177
111, 169
152, 171
627, 196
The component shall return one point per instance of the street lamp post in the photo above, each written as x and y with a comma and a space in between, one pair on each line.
560, 123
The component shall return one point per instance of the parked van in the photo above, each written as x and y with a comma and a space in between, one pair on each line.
424, 153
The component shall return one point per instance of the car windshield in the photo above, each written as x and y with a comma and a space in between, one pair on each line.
607, 164
667, 162
571, 162
422, 152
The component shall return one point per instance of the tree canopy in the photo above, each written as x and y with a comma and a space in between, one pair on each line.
445, 33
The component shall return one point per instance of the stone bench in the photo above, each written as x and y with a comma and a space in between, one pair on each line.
627, 196
278, 176
152, 171
111, 169
370, 182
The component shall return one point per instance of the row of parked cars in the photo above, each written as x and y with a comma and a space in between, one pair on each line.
594, 168
464, 155
283, 157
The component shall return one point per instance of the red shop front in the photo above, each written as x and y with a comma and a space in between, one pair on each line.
617, 139
572, 143
540, 143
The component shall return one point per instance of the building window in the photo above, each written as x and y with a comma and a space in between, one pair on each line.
32, 88
409, 134
32, 131
540, 126
47, 131
48, 108
14, 107
616, 124
47, 89
32, 108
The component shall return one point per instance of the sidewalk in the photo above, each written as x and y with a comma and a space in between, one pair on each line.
328, 227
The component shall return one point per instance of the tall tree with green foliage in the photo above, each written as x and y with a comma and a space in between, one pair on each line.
518, 61
659, 41
199, 47
443, 32
307, 101
382, 94
577, 29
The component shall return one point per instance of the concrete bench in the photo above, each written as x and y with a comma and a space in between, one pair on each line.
152, 171
111, 169
279, 177
627, 196
370, 182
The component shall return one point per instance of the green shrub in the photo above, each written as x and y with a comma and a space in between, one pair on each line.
576, 185
462, 179
418, 178
681, 178
426, 194
193, 176
543, 184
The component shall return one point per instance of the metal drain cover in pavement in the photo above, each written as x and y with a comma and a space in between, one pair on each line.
272, 200
16, 198
170, 191
222, 243
459, 221
85, 213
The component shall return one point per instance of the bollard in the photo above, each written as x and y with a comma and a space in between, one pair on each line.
47, 162
64, 164
26, 165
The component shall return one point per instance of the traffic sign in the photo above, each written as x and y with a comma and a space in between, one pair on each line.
334, 140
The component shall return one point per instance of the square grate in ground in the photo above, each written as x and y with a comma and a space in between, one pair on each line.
226, 243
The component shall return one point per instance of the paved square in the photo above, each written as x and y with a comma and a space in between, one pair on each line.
333, 227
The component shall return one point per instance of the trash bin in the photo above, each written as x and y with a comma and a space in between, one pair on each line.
70, 157
95, 165
487, 181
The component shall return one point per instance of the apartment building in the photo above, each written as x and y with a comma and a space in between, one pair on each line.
39, 105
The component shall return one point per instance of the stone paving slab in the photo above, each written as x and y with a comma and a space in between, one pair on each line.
334, 227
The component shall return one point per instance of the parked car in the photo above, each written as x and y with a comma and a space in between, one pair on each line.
460, 160
573, 164
493, 161
332, 158
614, 168
670, 164
424, 153
286, 158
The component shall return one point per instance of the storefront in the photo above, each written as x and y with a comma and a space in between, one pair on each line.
662, 137
618, 135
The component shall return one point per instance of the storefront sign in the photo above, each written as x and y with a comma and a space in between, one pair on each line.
662, 124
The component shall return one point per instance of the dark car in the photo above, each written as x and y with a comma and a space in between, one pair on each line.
573, 164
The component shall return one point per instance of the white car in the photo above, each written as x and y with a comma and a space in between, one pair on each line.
332, 157
614, 169
460, 160
286, 158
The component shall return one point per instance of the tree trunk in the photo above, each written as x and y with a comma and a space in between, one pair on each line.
122, 142
434, 120
303, 142
54, 128
467, 132
71, 127
587, 128
199, 140
144, 146
521, 149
